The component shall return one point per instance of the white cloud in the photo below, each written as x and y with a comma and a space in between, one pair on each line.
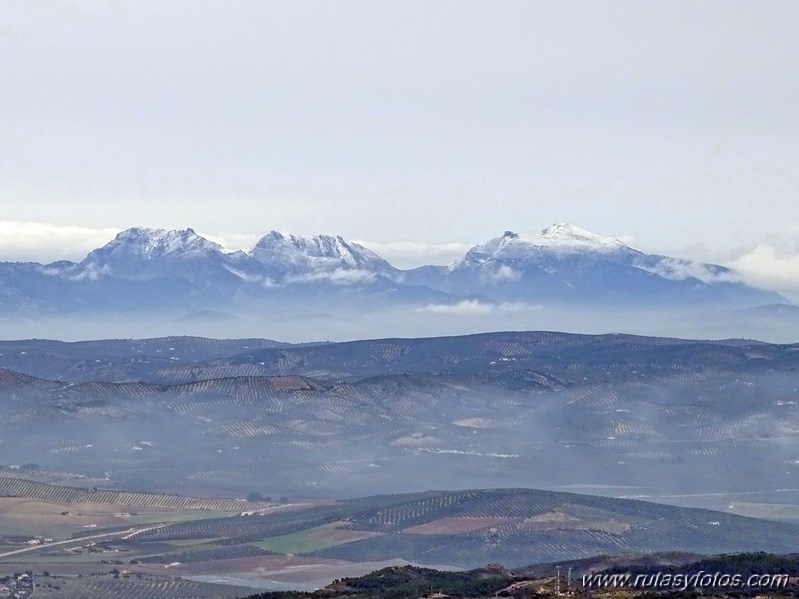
769, 266
339, 276
629, 240
250, 278
504, 274
516, 307
90, 273
463, 308
477, 308
409, 254
677, 269
232, 242
47, 242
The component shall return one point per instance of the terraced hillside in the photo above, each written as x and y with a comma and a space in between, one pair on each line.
117, 360
184, 359
705, 424
28, 489
462, 528
514, 527
132, 587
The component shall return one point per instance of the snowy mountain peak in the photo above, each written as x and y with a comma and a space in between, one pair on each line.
152, 243
565, 234
142, 253
558, 235
560, 238
568, 231
316, 253
319, 246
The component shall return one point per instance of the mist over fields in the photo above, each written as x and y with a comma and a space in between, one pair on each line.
694, 423
776, 324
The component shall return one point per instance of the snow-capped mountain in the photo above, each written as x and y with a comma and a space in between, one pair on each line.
561, 238
149, 244
180, 270
140, 253
276, 260
299, 259
183, 261
158, 269
566, 263
558, 242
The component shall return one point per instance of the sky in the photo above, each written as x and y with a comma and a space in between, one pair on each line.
416, 127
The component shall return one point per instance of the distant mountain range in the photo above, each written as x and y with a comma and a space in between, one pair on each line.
181, 271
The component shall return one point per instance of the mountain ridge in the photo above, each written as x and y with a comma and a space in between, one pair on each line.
182, 270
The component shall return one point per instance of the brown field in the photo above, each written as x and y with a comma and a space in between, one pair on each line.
289, 569
333, 533
267, 566
38, 518
30, 514
311, 571
557, 520
454, 526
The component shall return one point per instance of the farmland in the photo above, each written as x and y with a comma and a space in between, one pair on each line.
314, 539
662, 419
260, 462
132, 587
460, 529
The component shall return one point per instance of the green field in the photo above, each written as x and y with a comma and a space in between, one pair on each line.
177, 516
25, 528
298, 542
191, 542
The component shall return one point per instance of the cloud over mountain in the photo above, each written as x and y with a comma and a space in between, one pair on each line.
771, 265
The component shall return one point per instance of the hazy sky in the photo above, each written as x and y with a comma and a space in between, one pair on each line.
417, 127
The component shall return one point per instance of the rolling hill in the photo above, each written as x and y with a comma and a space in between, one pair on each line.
711, 424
